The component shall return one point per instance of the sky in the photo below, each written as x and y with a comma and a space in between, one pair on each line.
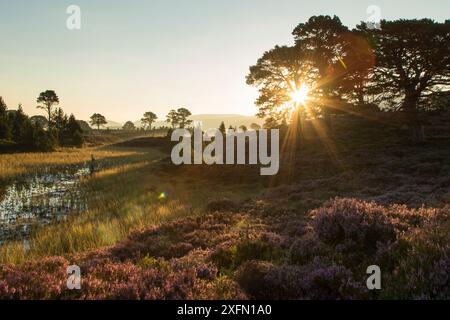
134, 56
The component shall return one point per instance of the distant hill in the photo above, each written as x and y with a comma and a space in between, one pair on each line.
109, 124
208, 121
235, 120
213, 120
84, 126
113, 125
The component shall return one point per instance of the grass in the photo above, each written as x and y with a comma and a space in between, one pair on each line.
99, 144
13, 166
102, 137
120, 199
266, 240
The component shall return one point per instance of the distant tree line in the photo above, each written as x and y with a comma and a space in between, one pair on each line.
179, 118
57, 129
20, 132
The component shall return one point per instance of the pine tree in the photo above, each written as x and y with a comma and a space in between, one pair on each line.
17, 120
222, 127
5, 129
72, 133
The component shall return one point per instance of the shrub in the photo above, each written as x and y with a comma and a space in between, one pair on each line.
351, 224
229, 258
256, 250
251, 277
304, 249
224, 257
224, 288
221, 205
313, 281
422, 263
45, 279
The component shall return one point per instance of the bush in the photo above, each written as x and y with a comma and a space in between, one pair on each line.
224, 257
315, 281
256, 250
221, 205
351, 224
230, 258
305, 249
7, 145
251, 277
422, 263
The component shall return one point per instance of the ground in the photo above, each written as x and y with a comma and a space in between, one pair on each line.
356, 196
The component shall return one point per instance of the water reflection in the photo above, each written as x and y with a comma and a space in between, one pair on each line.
40, 199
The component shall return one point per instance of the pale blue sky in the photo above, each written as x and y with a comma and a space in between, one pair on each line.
133, 56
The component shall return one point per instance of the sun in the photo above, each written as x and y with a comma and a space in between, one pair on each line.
300, 95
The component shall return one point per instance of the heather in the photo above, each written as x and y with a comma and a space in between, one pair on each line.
226, 255
226, 233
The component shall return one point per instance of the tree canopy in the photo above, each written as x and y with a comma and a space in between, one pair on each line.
19, 132
402, 64
129, 126
183, 115
98, 120
148, 119
413, 62
179, 117
47, 100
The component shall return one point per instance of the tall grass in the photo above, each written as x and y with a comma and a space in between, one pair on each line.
120, 199
14, 165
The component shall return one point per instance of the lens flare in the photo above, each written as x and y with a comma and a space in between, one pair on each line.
300, 95
163, 195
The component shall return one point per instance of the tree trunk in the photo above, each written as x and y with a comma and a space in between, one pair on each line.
415, 125
297, 124
49, 112
416, 129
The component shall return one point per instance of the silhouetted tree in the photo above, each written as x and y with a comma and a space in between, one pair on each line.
72, 133
270, 123
222, 127
413, 62
5, 129
17, 120
59, 119
24, 134
255, 126
148, 119
354, 72
278, 74
172, 118
3, 106
42, 140
324, 39
243, 128
129, 126
48, 100
98, 120
183, 115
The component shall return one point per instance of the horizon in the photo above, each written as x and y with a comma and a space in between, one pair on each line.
170, 55
224, 151
216, 117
